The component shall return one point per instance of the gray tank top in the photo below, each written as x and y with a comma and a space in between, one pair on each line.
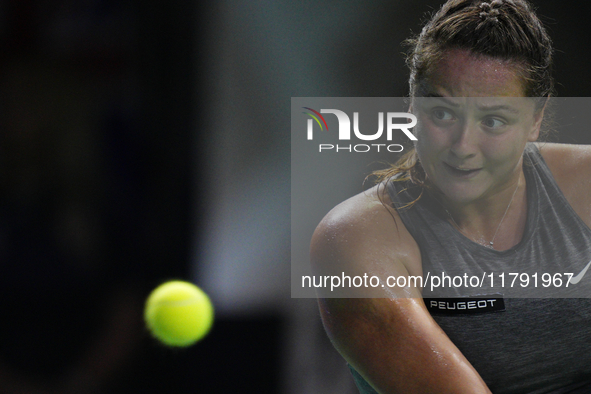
518, 345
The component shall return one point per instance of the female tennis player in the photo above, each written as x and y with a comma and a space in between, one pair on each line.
476, 195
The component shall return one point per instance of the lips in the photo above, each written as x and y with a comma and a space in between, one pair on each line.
461, 172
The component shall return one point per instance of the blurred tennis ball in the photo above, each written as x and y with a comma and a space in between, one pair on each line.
178, 313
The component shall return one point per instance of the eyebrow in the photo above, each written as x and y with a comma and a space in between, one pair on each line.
485, 108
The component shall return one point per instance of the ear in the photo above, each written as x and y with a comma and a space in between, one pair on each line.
538, 119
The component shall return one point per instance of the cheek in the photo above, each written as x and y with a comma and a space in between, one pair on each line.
503, 155
430, 141
429, 151
427, 137
422, 145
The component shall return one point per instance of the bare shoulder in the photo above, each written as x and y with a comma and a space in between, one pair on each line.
364, 233
571, 167
364, 217
566, 158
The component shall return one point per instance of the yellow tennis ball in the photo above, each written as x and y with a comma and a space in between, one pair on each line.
178, 313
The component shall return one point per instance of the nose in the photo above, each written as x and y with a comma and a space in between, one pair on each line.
464, 141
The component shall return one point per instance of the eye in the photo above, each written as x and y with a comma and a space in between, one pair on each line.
442, 114
493, 123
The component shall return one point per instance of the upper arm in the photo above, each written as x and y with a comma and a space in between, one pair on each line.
389, 338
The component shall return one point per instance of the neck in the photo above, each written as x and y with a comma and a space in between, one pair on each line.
499, 219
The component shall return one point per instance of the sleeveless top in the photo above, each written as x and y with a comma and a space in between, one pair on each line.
520, 338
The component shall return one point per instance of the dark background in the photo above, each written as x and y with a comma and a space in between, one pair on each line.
110, 143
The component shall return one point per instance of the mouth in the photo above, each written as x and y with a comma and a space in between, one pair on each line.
461, 172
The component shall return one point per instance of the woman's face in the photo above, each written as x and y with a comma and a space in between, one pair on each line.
473, 125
